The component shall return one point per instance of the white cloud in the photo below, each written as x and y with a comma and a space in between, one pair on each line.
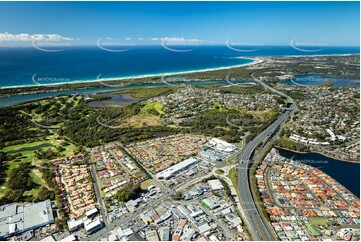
154, 39
175, 39
31, 37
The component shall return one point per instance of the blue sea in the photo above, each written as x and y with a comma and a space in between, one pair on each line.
28, 66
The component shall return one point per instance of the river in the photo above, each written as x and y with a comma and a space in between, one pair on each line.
18, 99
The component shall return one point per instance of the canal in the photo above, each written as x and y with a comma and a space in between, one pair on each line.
346, 173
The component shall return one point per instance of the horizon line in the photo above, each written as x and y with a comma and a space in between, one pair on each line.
199, 45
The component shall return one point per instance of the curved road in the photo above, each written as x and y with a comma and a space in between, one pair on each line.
257, 226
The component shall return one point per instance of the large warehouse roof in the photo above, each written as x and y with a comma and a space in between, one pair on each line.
171, 171
15, 218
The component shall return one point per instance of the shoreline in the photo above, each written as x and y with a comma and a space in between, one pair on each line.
315, 152
255, 60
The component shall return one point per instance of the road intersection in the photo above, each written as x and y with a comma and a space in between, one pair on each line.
256, 224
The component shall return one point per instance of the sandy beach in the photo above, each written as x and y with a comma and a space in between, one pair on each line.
255, 61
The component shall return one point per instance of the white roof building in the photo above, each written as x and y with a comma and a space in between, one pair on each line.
92, 226
215, 184
16, 219
128, 232
112, 237
222, 145
91, 212
213, 238
171, 171
120, 233
74, 224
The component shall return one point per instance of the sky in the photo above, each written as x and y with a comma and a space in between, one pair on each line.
247, 23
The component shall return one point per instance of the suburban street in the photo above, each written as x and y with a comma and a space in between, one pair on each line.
257, 226
167, 193
253, 218
102, 208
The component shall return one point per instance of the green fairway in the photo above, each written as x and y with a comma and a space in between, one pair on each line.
27, 150
313, 230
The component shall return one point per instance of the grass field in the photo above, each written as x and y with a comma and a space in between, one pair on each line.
146, 92
143, 120
147, 183
36, 176
218, 106
313, 230
263, 115
219, 172
154, 105
233, 176
318, 221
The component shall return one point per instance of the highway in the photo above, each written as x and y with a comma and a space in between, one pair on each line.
270, 88
257, 226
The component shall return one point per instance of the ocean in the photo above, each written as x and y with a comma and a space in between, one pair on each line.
28, 66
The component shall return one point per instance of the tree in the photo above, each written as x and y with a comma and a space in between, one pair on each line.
45, 193
20, 179
128, 192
